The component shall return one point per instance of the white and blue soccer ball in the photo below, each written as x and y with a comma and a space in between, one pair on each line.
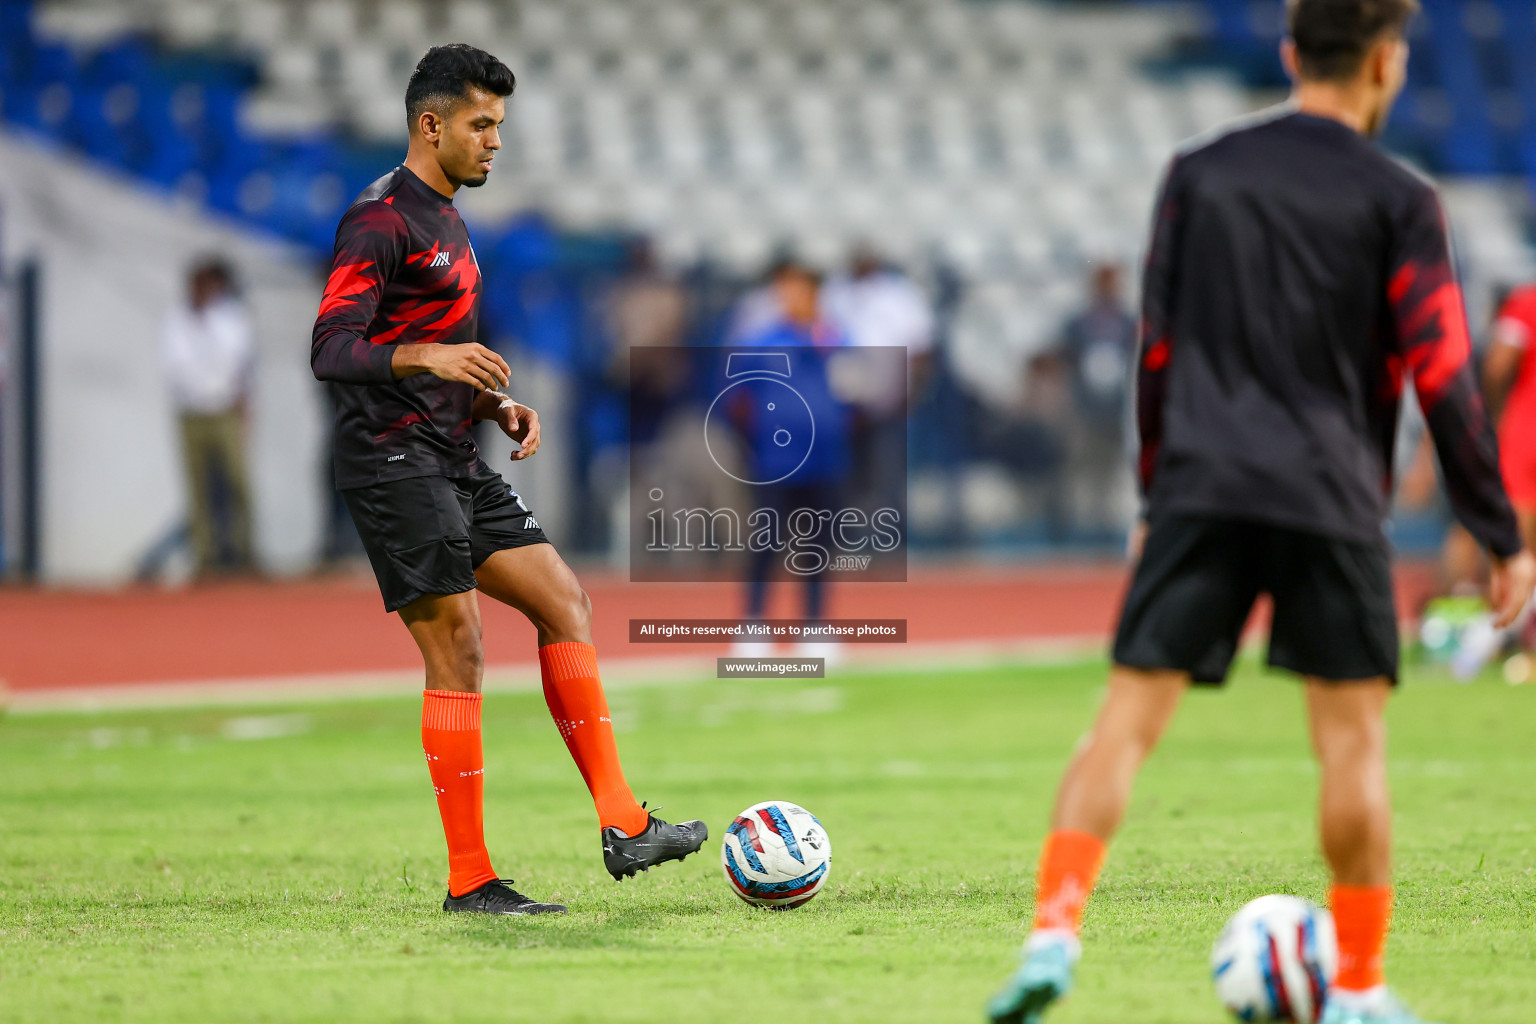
776, 854
1275, 960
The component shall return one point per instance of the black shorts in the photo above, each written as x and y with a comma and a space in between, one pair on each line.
428, 534
1198, 578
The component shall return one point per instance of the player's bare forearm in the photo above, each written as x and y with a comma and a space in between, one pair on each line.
466, 364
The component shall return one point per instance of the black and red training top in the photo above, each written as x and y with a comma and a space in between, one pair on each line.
403, 273
1297, 277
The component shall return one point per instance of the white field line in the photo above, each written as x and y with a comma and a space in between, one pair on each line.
618, 673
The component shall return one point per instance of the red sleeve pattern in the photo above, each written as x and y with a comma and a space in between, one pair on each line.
1431, 337
371, 243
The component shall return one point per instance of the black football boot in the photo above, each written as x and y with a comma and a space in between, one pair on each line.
625, 856
498, 897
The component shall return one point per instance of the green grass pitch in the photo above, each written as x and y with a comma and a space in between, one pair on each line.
286, 864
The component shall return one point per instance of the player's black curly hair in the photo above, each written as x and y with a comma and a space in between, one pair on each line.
1332, 37
445, 74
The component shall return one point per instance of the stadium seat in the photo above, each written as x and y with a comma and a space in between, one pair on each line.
261, 25
472, 21
329, 21
401, 21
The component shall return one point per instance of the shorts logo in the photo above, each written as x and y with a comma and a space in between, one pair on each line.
531, 523
395, 458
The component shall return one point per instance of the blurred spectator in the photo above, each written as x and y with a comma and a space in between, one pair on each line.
1509, 380
647, 308
878, 305
1098, 348
804, 331
1027, 437
759, 308
208, 354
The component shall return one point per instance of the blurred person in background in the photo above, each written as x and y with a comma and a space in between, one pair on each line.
1029, 436
647, 307
1509, 383
1098, 348
803, 330
208, 352
877, 305
1509, 388
758, 308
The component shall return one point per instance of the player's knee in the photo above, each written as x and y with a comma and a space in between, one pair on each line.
576, 613
468, 653
565, 616
1351, 743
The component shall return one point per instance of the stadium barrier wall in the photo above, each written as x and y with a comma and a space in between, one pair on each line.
113, 260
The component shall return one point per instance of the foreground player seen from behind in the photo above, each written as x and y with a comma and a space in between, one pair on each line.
396, 340
1296, 275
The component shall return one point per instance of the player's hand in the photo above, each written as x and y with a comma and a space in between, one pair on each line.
521, 424
1510, 585
471, 363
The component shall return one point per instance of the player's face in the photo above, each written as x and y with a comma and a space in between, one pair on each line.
471, 136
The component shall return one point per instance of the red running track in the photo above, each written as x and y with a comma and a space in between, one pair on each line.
53, 639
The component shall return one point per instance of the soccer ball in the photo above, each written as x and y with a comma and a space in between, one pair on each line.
1275, 960
776, 855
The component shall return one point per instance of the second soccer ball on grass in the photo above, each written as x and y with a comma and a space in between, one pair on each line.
1275, 960
776, 855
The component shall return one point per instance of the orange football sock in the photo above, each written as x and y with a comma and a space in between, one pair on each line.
1069, 867
450, 736
1361, 915
575, 697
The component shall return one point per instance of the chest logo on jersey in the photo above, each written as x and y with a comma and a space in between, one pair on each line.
431, 259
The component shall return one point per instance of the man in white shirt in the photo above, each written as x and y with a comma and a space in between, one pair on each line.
879, 306
207, 354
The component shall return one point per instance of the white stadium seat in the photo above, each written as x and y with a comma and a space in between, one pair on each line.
477, 22
192, 23
293, 69
403, 21
261, 25
328, 21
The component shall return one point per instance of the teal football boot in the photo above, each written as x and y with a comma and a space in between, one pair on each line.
1385, 1010
1044, 977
